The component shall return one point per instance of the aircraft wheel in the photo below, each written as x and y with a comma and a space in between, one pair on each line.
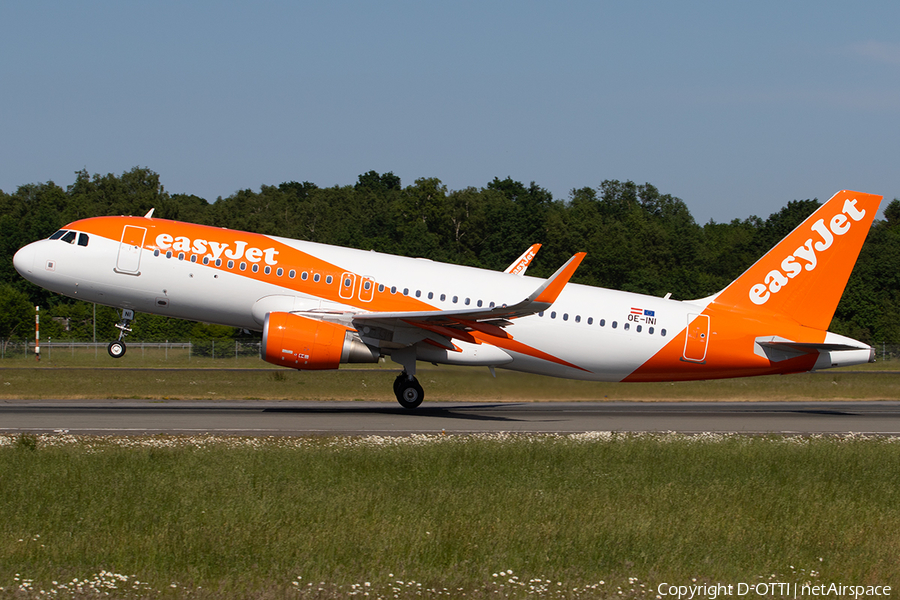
116, 349
398, 382
409, 393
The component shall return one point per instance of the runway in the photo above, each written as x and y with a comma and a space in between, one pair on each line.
117, 417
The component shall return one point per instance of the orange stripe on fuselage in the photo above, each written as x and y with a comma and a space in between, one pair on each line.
519, 347
218, 242
730, 350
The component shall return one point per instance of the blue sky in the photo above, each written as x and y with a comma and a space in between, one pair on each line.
736, 108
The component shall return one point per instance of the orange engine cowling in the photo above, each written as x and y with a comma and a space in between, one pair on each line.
290, 340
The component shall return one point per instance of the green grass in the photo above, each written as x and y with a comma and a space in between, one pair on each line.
245, 518
152, 373
138, 355
440, 383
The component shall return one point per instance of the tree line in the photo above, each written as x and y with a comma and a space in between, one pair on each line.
636, 238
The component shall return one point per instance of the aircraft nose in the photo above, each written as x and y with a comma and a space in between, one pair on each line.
23, 260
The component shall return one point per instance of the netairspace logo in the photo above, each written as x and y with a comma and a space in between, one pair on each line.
771, 590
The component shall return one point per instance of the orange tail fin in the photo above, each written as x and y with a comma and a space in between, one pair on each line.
804, 276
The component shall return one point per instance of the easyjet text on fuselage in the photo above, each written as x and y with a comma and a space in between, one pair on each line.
216, 250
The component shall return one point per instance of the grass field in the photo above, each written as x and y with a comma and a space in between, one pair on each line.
52, 381
496, 516
591, 516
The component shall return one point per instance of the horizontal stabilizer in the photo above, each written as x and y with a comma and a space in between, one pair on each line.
777, 349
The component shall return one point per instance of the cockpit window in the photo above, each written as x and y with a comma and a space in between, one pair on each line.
69, 237
58, 234
82, 239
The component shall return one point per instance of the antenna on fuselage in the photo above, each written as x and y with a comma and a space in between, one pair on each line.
149, 215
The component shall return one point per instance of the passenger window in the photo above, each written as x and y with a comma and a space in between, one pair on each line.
638, 328
328, 279
479, 304
82, 239
443, 297
602, 322
578, 318
650, 331
553, 314
430, 295
590, 320
455, 299
467, 301
316, 278
58, 234
627, 326
565, 316
418, 293
406, 291
69, 237
662, 332
614, 324
304, 275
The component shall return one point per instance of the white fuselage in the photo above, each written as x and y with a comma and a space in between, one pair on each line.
607, 333
332, 304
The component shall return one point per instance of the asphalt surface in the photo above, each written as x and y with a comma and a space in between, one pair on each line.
381, 418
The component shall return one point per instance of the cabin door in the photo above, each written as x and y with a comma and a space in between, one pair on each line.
129, 259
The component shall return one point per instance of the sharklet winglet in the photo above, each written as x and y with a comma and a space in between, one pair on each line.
550, 291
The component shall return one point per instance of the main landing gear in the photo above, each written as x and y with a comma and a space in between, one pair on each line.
117, 348
408, 391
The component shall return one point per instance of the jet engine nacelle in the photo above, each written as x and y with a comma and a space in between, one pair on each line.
290, 340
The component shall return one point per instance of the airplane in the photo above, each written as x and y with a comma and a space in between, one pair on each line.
320, 306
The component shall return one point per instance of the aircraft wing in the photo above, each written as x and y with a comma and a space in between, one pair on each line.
490, 320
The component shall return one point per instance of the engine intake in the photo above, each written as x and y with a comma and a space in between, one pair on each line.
290, 340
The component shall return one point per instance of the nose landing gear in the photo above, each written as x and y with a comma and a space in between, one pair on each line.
117, 348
